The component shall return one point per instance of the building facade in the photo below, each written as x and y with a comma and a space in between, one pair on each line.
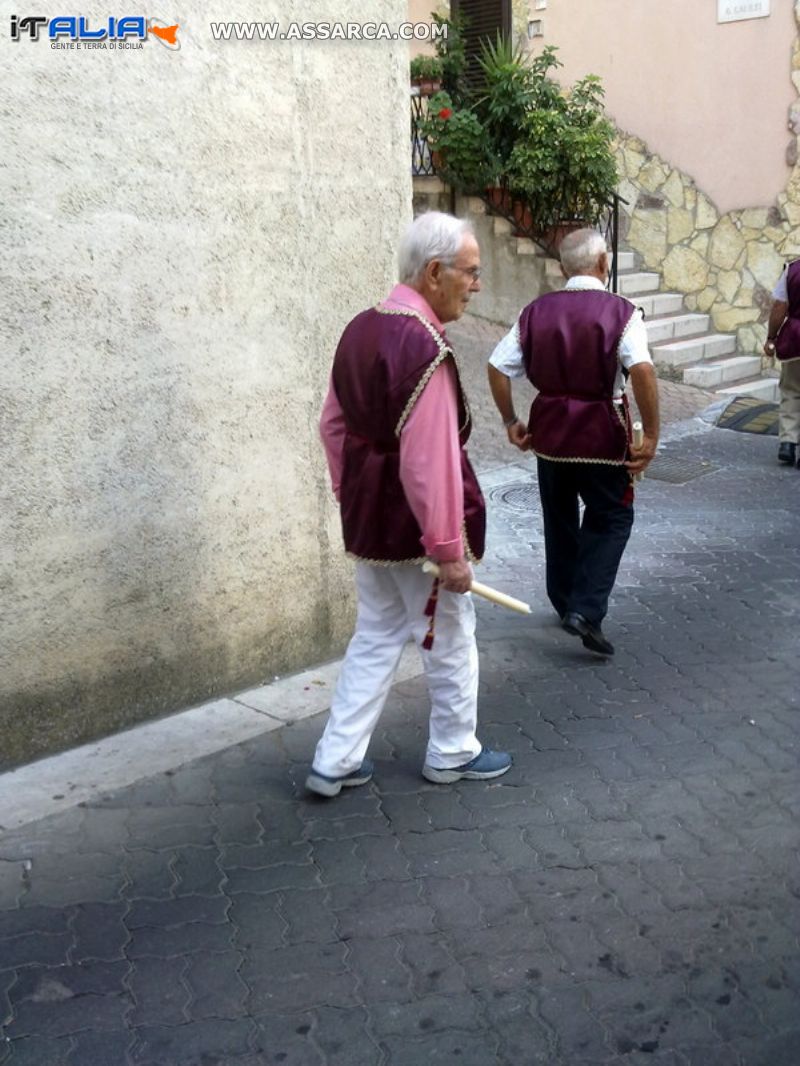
186, 233
706, 98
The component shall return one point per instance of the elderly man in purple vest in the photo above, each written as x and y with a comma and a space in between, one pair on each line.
783, 341
577, 347
394, 426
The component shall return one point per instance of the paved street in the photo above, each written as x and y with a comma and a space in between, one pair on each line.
627, 894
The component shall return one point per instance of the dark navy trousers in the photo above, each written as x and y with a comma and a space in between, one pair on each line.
583, 556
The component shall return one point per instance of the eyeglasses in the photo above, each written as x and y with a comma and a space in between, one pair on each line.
471, 272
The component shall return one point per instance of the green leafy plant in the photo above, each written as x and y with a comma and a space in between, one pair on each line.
563, 163
549, 148
459, 140
425, 68
571, 175
452, 54
508, 93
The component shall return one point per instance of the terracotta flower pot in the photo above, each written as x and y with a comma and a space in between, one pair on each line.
428, 86
523, 218
499, 198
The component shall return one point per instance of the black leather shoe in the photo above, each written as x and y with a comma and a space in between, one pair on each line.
591, 636
787, 452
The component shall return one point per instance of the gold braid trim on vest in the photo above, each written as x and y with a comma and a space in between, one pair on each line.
577, 459
387, 562
444, 352
469, 554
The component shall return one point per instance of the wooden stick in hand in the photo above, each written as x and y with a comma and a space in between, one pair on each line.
485, 591
638, 437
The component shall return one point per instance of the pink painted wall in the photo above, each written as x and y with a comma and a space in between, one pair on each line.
711, 99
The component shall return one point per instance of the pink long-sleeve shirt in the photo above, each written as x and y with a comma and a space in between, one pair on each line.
430, 459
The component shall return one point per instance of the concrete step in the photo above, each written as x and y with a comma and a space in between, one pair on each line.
665, 329
476, 206
502, 227
525, 246
660, 303
678, 353
625, 261
710, 375
762, 388
638, 281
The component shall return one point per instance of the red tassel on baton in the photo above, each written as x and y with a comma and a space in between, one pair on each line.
430, 612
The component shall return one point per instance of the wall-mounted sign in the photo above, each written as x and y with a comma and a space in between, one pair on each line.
737, 10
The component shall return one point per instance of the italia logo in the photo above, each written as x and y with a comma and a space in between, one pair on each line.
78, 28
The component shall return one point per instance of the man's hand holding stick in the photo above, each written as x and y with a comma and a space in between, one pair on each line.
487, 592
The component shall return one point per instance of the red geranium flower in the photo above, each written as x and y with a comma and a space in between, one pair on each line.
446, 112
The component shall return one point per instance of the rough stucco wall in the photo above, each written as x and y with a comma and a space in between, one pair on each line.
186, 234
711, 99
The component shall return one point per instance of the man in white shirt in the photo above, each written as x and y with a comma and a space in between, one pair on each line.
577, 347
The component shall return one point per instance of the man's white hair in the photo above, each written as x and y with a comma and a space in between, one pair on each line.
580, 251
433, 235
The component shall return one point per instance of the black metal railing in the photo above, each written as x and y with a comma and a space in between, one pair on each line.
421, 163
517, 210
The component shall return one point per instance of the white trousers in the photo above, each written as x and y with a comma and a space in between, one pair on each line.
789, 409
391, 605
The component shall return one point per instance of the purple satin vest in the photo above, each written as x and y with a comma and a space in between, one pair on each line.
569, 342
787, 346
381, 366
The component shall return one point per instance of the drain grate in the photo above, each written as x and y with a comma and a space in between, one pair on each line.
677, 471
522, 497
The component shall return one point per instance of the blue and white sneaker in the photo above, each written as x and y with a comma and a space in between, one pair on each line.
332, 786
484, 766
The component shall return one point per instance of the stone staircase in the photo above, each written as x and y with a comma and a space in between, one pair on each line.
681, 341
685, 341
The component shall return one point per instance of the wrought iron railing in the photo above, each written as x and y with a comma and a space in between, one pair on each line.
516, 210
421, 163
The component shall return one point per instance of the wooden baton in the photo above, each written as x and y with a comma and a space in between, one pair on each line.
638, 437
485, 591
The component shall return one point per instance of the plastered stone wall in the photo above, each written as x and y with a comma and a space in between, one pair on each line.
726, 264
185, 235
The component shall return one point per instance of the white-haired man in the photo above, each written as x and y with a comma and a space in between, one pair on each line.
577, 347
394, 426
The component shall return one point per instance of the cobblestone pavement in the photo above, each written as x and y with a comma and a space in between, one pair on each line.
627, 894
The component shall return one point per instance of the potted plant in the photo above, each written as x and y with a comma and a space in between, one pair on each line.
507, 95
426, 73
590, 169
459, 146
513, 85
555, 146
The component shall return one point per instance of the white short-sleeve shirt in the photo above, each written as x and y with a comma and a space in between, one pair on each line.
781, 291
